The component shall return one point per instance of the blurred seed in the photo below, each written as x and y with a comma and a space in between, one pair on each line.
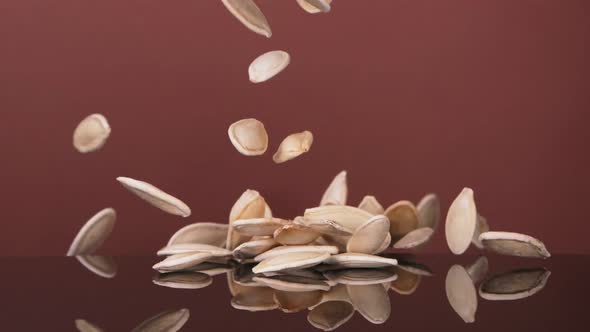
403, 218
211, 269
282, 250
406, 282
514, 285
361, 276
461, 222
254, 248
91, 133
482, 227
169, 321
155, 196
315, 6
293, 260
371, 301
183, 280
357, 260
323, 226
181, 262
268, 65
415, 238
204, 233
102, 266
328, 316
250, 205
85, 326
337, 191
94, 232
187, 248
250, 15
294, 234
249, 137
479, 269
428, 211
371, 205
384, 245
293, 146
258, 226
291, 302
254, 299
347, 216
514, 244
461, 293
368, 237
289, 283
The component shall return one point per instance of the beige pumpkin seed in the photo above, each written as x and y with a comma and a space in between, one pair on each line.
293, 146
461, 222
371, 205
249, 137
156, 197
204, 233
102, 266
94, 232
406, 282
514, 244
369, 237
294, 234
254, 299
293, 260
347, 216
187, 248
514, 285
478, 270
181, 262
403, 218
291, 302
415, 238
183, 280
254, 248
250, 205
361, 276
289, 283
461, 293
337, 191
268, 65
91, 133
258, 226
357, 260
428, 211
315, 6
371, 301
384, 245
324, 226
328, 316
282, 250
482, 227
247, 12
169, 321
85, 326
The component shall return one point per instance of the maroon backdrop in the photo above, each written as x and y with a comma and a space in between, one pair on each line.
410, 97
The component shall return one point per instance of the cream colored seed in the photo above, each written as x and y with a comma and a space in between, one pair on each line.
92, 133
247, 12
249, 137
293, 146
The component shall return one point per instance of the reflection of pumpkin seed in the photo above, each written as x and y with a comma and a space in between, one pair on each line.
371, 301
293, 260
478, 270
369, 236
250, 15
91, 133
282, 250
102, 266
181, 262
461, 222
155, 196
514, 285
94, 232
361, 276
328, 316
170, 321
406, 282
461, 293
254, 299
290, 302
183, 280
337, 191
356, 260
289, 283
514, 244
186, 248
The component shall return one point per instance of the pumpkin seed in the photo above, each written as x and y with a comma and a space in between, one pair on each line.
155, 196
187, 248
181, 262
357, 260
293, 146
514, 244
369, 237
268, 65
347, 216
371, 301
328, 316
85, 326
291, 302
170, 321
371, 205
204, 233
250, 15
337, 191
91, 133
403, 218
461, 293
183, 280
415, 238
254, 248
258, 226
482, 227
514, 285
428, 211
249, 137
294, 234
315, 6
461, 222
282, 250
94, 232
293, 260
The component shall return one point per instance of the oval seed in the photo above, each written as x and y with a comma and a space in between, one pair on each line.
293, 146
204, 233
371, 205
461, 222
181, 262
278, 251
94, 232
514, 285
461, 293
337, 191
85, 326
248, 136
91, 133
514, 244
294, 260
294, 234
347, 216
268, 65
183, 280
429, 211
330, 315
315, 6
254, 248
290, 302
186, 248
250, 15
258, 226
415, 238
371, 301
156, 197
369, 237
403, 218
357, 260
250, 205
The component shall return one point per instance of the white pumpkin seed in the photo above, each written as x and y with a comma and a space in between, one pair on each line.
514, 244
183, 280
384, 245
514, 285
94, 232
169, 321
328, 316
268, 65
254, 248
85, 326
204, 233
282, 250
428, 211
258, 226
293, 146
357, 260
369, 237
371, 205
371, 301
324, 226
482, 227
91, 133
403, 218
250, 205
250, 15
461, 222
102, 266
155, 196
461, 293
315, 6
294, 234
347, 216
181, 262
415, 238
187, 248
293, 260
337, 191
249, 137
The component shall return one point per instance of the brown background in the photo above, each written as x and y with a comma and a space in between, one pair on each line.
409, 96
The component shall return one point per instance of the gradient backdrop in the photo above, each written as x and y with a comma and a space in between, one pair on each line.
409, 96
